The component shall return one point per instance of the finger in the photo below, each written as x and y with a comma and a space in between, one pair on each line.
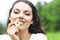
13, 30
10, 25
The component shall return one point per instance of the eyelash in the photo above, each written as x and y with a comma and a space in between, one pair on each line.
27, 14
16, 12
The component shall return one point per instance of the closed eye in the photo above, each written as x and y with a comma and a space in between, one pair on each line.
27, 13
16, 11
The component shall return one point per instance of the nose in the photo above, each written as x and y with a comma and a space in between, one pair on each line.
20, 16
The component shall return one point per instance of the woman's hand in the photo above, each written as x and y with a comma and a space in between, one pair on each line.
13, 31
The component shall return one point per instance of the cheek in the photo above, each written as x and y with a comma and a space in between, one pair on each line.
29, 19
12, 17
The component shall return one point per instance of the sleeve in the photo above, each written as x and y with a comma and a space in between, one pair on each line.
38, 36
5, 37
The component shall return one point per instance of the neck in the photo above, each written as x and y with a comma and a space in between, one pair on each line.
23, 35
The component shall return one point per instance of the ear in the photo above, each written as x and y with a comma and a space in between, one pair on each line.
9, 18
31, 22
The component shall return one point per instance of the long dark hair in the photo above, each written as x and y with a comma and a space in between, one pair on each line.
36, 26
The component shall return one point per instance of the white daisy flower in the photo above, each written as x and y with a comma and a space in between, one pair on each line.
17, 23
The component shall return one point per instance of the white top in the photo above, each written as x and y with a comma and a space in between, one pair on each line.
5, 37
38, 36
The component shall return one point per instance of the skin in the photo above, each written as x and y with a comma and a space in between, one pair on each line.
21, 12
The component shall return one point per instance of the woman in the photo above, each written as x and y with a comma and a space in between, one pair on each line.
24, 23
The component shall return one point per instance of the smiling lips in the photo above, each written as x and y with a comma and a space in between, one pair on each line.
18, 23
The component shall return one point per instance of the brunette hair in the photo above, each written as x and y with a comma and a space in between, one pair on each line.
36, 26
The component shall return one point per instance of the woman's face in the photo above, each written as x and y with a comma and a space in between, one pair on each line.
22, 12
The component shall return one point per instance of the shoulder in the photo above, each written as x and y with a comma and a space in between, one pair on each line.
5, 37
38, 36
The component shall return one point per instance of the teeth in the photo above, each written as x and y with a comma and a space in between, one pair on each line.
17, 23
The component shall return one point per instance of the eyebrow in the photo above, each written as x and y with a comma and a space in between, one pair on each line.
26, 10
17, 9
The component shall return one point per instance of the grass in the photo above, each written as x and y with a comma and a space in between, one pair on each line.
53, 35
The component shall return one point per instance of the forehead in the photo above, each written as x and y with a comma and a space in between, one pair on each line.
22, 5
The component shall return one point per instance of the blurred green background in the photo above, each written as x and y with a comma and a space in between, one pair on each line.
50, 19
